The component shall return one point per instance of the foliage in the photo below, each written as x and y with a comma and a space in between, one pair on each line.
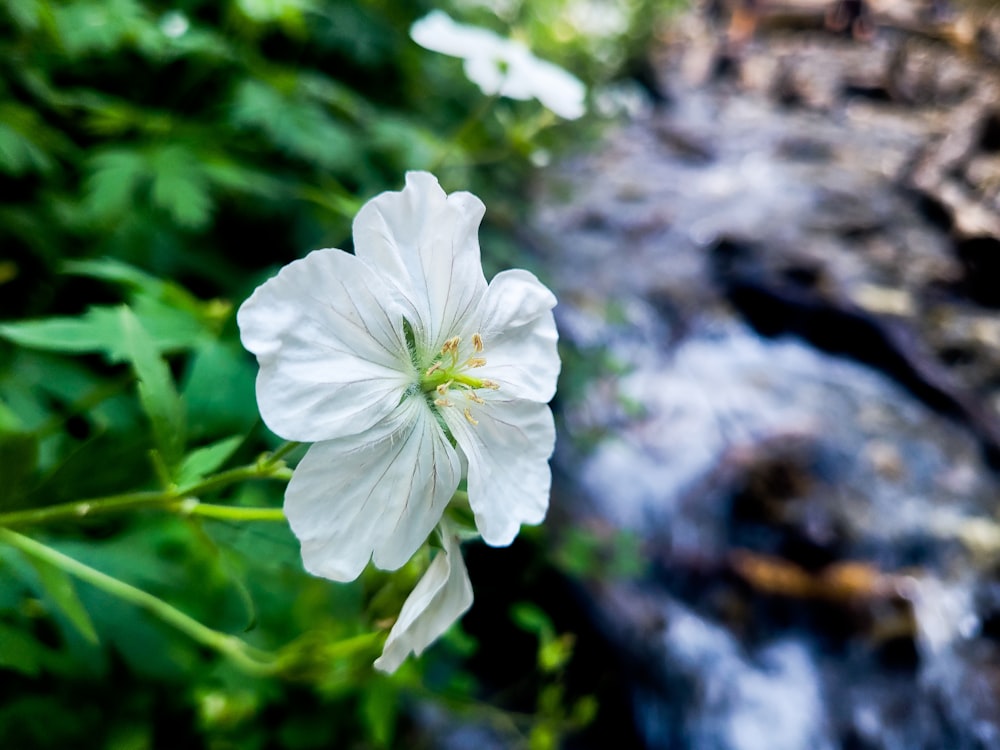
158, 161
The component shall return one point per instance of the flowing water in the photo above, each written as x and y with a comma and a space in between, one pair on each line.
775, 283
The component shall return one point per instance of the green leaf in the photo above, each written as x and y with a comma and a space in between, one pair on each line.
19, 154
20, 652
379, 709
203, 461
97, 329
174, 317
180, 187
114, 177
87, 27
214, 411
532, 619
301, 128
156, 387
24, 13
58, 587
18, 459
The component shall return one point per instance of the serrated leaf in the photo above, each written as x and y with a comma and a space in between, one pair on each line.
300, 128
203, 461
167, 310
114, 176
102, 26
19, 154
180, 187
99, 330
59, 589
233, 177
156, 387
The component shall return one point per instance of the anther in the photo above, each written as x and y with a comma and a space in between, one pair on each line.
475, 362
443, 388
432, 369
468, 415
491, 385
477, 342
443, 402
450, 346
473, 397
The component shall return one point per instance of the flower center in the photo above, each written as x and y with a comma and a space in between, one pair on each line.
448, 374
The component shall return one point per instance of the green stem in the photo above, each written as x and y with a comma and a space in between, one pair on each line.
269, 466
192, 507
252, 659
475, 116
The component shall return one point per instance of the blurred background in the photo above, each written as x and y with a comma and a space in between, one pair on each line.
775, 238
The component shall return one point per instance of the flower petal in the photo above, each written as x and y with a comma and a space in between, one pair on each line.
519, 332
557, 89
377, 495
425, 244
438, 600
508, 450
331, 348
489, 73
439, 33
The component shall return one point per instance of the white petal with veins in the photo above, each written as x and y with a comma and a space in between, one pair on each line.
508, 450
374, 496
442, 595
333, 359
425, 243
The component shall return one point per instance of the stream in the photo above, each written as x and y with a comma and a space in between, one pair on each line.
783, 282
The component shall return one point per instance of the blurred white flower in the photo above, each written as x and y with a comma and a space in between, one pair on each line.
438, 600
501, 66
598, 18
174, 24
403, 366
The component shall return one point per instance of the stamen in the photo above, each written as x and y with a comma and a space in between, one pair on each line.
432, 369
443, 402
443, 388
475, 362
473, 397
491, 385
468, 415
477, 342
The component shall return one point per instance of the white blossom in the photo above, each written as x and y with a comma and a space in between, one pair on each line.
408, 373
438, 600
505, 67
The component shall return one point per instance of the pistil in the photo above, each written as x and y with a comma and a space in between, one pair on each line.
447, 373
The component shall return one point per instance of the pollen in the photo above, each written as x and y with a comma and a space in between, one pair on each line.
468, 415
450, 371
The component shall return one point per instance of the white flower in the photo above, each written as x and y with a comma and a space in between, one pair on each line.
501, 66
403, 366
439, 599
